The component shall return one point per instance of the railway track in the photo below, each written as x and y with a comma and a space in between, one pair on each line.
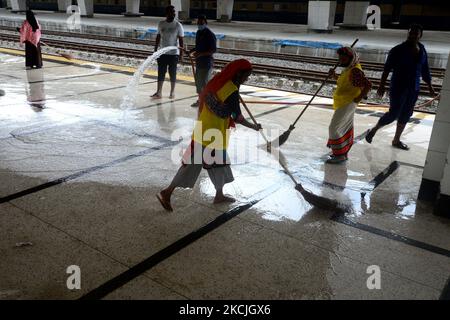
367, 65
263, 69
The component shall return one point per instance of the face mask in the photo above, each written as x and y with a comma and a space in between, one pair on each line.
201, 27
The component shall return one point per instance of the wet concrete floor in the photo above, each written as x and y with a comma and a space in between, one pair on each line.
79, 176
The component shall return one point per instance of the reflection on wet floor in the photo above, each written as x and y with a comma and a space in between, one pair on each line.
327, 180
67, 122
35, 89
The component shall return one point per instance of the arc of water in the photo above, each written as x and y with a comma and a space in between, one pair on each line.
129, 98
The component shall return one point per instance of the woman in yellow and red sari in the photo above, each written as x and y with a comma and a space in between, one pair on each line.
219, 110
352, 87
30, 34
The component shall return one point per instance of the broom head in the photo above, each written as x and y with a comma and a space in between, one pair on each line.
66, 55
281, 139
321, 202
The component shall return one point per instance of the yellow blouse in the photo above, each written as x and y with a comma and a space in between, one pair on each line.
211, 130
345, 91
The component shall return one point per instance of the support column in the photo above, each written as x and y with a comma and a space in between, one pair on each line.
355, 14
18, 5
86, 8
225, 10
442, 207
321, 15
63, 4
8, 4
182, 8
435, 177
132, 8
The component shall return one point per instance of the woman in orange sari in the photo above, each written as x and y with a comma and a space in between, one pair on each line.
30, 34
219, 110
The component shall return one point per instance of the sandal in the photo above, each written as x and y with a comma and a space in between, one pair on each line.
166, 205
400, 145
336, 159
369, 135
156, 96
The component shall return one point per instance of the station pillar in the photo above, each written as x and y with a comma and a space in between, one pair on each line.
435, 184
63, 4
225, 10
86, 8
18, 5
442, 207
321, 15
132, 8
355, 14
182, 8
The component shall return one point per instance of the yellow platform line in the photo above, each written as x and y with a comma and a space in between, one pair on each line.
55, 58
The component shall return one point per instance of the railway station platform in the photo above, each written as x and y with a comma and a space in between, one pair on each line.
80, 171
373, 45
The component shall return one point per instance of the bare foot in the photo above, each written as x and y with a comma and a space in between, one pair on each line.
164, 200
223, 198
172, 96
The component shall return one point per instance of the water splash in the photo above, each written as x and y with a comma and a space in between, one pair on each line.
129, 98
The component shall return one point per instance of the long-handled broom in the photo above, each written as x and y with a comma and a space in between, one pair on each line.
363, 105
285, 135
315, 200
62, 54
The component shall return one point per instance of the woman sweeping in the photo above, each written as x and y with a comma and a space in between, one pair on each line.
30, 34
218, 111
352, 87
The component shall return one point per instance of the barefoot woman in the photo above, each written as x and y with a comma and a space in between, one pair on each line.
219, 110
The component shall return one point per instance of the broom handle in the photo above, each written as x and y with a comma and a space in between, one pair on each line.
190, 59
284, 166
323, 83
253, 118
265, 138
192, 65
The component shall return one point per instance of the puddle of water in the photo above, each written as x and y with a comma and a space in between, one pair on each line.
406, 207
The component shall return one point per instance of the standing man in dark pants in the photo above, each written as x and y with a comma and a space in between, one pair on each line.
169, 31
205, 47
408, 62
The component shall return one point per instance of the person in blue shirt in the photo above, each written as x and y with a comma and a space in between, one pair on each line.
205, 47
408, 62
